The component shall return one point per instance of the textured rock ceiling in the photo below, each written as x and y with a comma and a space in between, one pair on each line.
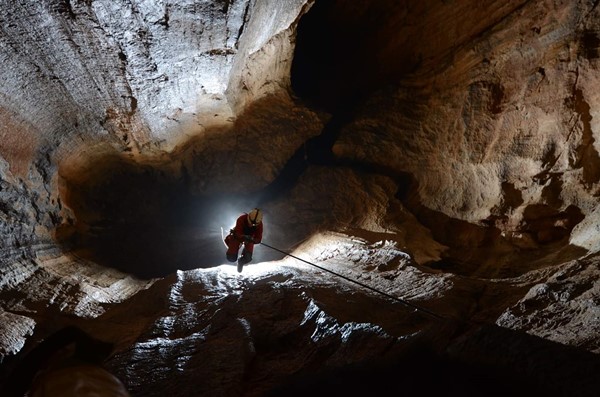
442, 152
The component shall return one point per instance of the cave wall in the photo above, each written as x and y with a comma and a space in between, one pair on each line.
493, 117
494, 114
89, 80
488, 108
90, 86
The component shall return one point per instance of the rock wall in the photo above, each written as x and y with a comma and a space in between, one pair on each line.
458, 139
91, 80
90, 85
495, 116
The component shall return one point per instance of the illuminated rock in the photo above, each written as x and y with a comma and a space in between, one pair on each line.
442, 152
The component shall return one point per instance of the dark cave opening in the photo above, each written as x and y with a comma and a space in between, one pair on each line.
333, 67
342, 54
316, 58
142, 220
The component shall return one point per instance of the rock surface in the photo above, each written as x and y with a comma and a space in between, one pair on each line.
441, 158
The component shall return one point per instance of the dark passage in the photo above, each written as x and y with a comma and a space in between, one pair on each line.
141, 220
332, 63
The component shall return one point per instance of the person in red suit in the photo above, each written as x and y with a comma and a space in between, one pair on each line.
248, 231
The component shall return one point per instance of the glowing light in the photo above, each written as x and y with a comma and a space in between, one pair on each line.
224, 214
251, 269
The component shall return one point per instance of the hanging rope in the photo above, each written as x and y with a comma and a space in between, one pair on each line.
406, 303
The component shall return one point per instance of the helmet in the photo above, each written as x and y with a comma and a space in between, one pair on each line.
255, 217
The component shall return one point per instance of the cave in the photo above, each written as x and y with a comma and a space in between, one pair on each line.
428, 173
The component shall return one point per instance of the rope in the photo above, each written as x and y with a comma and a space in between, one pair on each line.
404, 302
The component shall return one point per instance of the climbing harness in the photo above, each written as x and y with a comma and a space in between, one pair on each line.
404, 302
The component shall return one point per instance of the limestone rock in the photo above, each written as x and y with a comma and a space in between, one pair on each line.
444, 155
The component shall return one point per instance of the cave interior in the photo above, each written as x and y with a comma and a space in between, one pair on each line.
429, 175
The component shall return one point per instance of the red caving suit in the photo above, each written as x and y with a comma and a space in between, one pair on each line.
236, 238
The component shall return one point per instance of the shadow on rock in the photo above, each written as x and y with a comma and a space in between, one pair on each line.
142, 220
485, 361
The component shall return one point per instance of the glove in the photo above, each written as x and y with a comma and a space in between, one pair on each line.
248, 239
